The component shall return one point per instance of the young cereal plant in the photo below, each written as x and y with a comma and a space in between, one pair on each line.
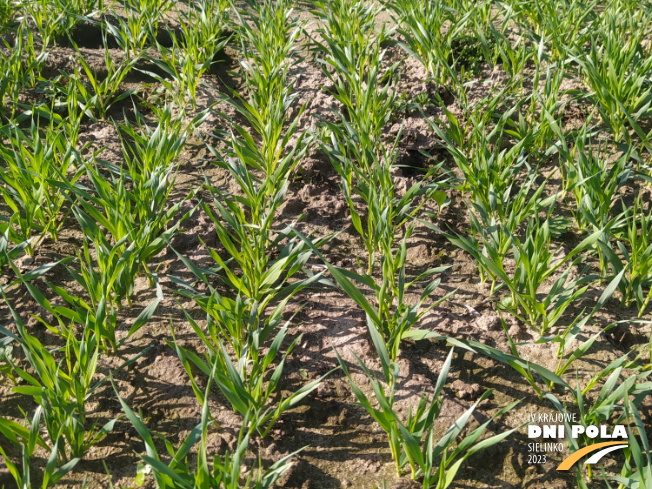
354, 65
134, 33
193, 51
611, 399
20, 67
617, 70
97, 95
111, 205
490, 172
412, 443
559, 24
594, 180
250, 383
61, 389
8, 254
72, 12
429, 31
390, 219
148, 150
535, 263
7, 13
348, 23
34, 162
638, 474
494, 234
633, 255
263, 261
357, 150
49, 26
106, 278
566, 337
183, 66
28, 438
223, 471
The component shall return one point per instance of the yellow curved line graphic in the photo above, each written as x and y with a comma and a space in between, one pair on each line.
570, 460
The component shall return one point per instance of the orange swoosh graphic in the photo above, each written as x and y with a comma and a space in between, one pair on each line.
570, 461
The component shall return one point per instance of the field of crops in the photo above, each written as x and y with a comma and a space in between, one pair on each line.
323, 244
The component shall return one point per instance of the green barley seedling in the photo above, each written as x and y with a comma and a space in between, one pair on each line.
28, 438
536, 262
62, 389
268, 33
7, 13
204, 29
211, 18
357, 152
183, 68
71, 12
594, 180
571, 332
48, 25
32, 162
97, 95
7, 365
223, 471
429, 31
152, 10
250, 383
634, 255
560, 23
412, 443
530, 371
8, 254
106, 279
64, 112
346, 23
355, 67
261, 169
253, 269
479, 17
547, 109
138, 28
261, 271
138, 218
134, 33
20, 66
490, 172
611, 399
368, 110
565, 339
519, 202
149, 150
393, 318
513, 56
638, 474
192, 53
366, 171
618, 72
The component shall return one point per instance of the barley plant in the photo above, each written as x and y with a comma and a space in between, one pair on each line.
264, 261
35, 160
